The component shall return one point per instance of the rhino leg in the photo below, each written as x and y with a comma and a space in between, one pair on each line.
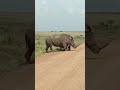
28, 54
65, 46
69, 48
51, 48
47, 47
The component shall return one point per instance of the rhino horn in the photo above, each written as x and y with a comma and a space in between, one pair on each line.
77, 45
104, 45
97, 48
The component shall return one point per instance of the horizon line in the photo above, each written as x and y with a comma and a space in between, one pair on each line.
18, 12
85, 12
102, 12
59, 31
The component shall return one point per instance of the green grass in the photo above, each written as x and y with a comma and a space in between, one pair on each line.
101, 31
12, 49
41, 36
12, 43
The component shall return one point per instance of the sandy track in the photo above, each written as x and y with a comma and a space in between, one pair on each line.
66, 70
61, 70
103, 70
22, 79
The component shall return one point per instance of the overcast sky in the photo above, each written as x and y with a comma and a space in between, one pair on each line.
60, 15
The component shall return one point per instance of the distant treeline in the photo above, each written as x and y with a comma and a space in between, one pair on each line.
102, 12
67, 31
59, 31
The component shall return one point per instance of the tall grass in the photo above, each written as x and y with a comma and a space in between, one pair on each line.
107, 30
12, 43
12, 48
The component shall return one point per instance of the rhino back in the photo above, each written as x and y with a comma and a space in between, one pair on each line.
56, 40
65, 38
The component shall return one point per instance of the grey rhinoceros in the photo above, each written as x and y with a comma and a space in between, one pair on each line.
90, 41
64, 41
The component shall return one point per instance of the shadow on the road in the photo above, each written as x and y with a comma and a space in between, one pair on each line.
58, 50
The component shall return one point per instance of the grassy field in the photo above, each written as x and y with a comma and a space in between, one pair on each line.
106, 25
95, 18
41, 36
12, 43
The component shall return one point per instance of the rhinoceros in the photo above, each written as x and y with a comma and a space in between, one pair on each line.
64, 41
90, 41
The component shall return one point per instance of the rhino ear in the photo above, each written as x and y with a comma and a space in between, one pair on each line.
71, 38
89, 28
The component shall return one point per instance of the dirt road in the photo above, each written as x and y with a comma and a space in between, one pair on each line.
66, 71
21, 79
61, 70
103, 70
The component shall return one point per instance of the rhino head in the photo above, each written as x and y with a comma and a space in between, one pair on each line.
91, 42
96, 48
72, 43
